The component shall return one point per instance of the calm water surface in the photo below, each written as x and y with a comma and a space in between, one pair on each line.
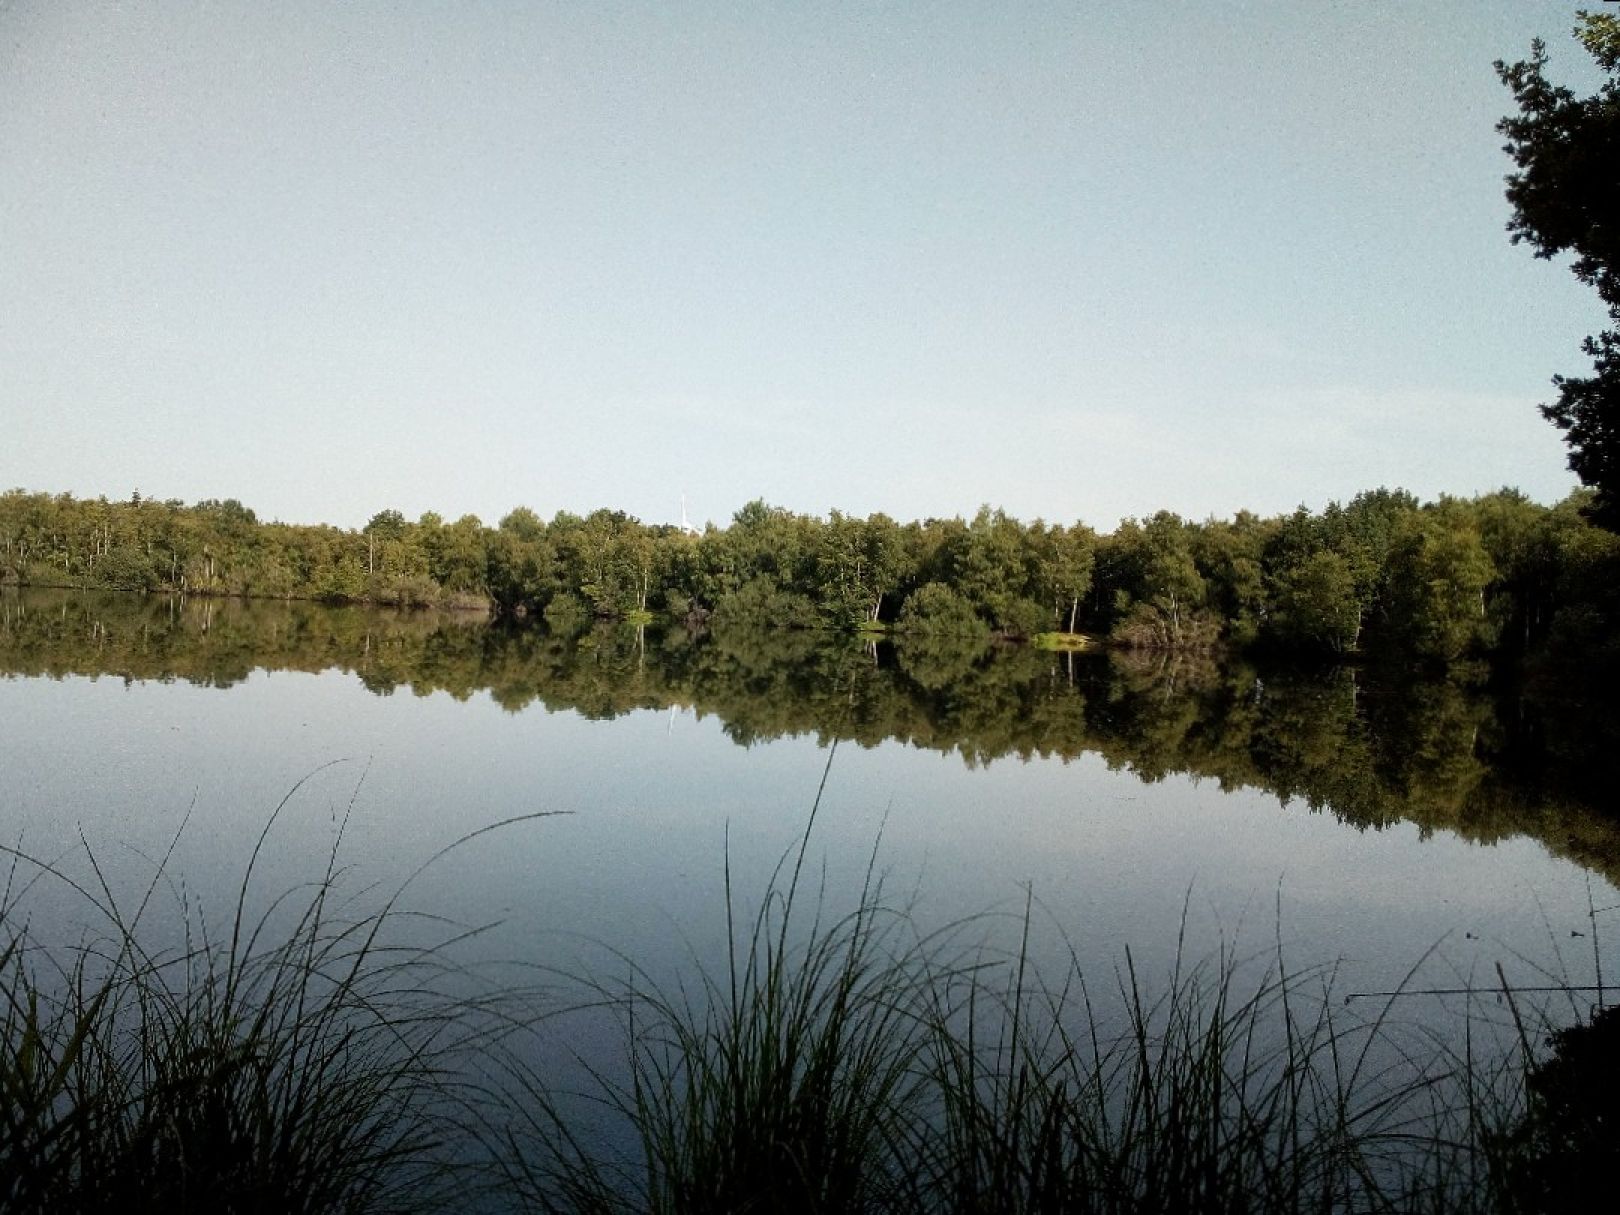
1367, 823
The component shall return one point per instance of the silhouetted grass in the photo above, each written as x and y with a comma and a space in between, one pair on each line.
1240, 1086
845, 1064
781, 1084
860, 1073
836, 1062
305, 1061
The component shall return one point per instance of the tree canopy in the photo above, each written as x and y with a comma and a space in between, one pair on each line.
1497, 575
1565, 194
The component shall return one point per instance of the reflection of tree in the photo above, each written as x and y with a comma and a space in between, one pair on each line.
1373, 747
937, 660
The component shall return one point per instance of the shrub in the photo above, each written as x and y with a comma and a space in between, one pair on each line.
125, 569
935, 608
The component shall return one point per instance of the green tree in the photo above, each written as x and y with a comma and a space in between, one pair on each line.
1582, 636
767, 545
385, 525
1231, 556
859, 562
524, 524
1066, 559
1565, 195
1315, 605
1163, 590
125, 569
520, 570
1438, 572
1521, 537
934, 608
994, 564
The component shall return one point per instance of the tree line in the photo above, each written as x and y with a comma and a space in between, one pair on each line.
1444, 580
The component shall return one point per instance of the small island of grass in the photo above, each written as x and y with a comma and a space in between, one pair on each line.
1063, 642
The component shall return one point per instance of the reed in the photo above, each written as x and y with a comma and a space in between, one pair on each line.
314, 1057
307, 1059
853, 1065
1240, 1086
781, 1084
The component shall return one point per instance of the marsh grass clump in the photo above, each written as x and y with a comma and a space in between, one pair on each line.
867, 1069
277, 1083
314, 1057
307, 1060
851, 1064
1241, 1086
781, 1084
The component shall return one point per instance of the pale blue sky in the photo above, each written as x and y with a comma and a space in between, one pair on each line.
1078, 260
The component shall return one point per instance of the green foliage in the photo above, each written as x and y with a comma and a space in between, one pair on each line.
1066, 558
344, 581
125, 569
1159, 590
1493, 576
761, 603
858, 563
389, 524
995, 564
1438, 573
1231, 557
1371, 744
1062, 642
1315, 604
1580, 643
1565, 194
567, 613
935, 608
521, 570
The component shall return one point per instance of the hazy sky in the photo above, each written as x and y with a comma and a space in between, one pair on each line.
1079, 260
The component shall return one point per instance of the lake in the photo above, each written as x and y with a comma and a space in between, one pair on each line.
1146, 801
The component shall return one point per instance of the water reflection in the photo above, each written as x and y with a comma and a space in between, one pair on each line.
1372, 747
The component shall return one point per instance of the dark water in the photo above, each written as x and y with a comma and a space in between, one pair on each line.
1362, 816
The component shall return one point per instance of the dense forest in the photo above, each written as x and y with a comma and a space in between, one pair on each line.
1446, 580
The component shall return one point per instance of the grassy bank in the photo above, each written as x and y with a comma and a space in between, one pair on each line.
311, 1059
